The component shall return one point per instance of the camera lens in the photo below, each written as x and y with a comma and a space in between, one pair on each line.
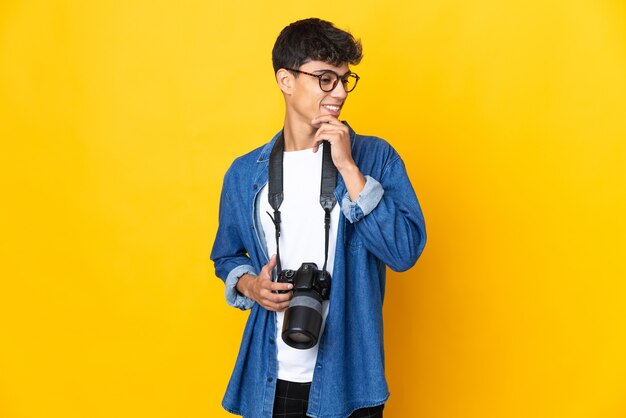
303, 320
299, 338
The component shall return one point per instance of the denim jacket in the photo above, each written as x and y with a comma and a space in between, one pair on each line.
383, 227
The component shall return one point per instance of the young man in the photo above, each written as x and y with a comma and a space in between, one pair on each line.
273, 217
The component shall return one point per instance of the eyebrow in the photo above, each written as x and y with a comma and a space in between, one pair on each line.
325, 70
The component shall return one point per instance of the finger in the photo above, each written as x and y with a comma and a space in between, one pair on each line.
268, 268
282, 307
269, 298
325, 126
273, 286
330, 135
275, 291
318, 121
276, 307
326, 119
272, 263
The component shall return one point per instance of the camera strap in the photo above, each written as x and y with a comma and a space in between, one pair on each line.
275, 191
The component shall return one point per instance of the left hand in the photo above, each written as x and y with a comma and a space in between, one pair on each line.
332, 130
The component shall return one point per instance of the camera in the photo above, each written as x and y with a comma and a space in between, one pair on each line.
303, 318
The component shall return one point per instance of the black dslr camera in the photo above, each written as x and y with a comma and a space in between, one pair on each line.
303, 318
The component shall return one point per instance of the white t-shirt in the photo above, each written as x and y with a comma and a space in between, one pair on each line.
301, 241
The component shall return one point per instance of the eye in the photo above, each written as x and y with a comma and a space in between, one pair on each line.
326, 79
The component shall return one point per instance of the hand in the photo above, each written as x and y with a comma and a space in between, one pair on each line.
338, 135
332, 130
261, 288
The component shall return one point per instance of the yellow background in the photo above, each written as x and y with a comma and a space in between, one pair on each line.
118, 119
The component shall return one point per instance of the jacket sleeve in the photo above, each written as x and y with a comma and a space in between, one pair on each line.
387, 217
229, 254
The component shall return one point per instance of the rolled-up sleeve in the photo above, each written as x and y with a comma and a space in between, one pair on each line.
229, 254
390, 224
233, 297
368, 199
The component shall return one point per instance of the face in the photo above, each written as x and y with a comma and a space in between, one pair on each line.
307, 100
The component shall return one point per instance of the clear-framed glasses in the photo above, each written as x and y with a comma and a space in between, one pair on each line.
328, 79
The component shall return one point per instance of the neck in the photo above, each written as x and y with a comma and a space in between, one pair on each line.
298, 134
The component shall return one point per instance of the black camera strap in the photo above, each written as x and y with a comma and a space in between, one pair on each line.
275, 191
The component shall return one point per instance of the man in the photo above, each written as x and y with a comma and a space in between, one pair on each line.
376, 222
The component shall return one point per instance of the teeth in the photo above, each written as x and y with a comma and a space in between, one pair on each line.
335, 108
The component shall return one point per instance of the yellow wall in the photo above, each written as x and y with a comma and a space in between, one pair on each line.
118, 119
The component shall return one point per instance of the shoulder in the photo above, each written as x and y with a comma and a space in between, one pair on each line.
247, 159
370, 144
370, 150
244, 166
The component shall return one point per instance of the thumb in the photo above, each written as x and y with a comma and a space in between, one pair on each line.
272, 263
270, 267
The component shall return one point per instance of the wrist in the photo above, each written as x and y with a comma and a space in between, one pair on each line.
242, 284
349, 168
353, 179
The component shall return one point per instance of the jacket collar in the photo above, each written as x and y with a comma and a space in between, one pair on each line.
267, 149
261, 175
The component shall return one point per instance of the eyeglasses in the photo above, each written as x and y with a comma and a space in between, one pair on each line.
328, 79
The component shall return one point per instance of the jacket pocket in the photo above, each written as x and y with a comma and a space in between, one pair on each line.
351, 237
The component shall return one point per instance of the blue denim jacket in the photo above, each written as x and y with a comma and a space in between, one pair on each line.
384, 227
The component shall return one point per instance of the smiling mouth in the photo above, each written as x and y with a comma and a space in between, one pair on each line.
332, 108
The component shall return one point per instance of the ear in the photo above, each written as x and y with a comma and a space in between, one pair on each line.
285, 81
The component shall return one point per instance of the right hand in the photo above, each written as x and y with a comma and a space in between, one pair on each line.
261, 288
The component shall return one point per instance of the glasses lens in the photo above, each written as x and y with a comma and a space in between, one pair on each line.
349, 82
328, 81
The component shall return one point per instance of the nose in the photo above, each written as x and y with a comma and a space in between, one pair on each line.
339, 91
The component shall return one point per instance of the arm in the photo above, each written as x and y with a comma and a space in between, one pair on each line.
262, 289
335, 132
243, 286
386, 213
229, 255
388, 217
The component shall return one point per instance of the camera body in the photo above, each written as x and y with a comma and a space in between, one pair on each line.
307, 277
303, 318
